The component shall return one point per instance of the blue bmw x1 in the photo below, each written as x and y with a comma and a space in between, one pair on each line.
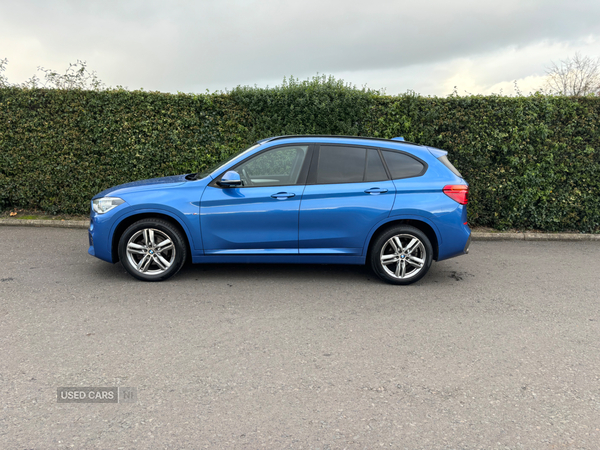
394, 205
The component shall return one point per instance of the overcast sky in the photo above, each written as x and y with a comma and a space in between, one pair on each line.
428, 46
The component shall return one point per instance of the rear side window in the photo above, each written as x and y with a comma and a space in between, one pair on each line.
403, 166
374, 170
340, 164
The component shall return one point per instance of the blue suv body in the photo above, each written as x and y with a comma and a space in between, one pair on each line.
292, 199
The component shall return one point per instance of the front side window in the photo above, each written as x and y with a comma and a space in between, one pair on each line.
277, 167
402, 166
216, 166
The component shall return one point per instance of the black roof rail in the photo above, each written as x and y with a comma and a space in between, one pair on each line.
275, 138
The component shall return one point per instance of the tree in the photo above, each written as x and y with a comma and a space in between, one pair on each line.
76, 77
575, 76
3, 79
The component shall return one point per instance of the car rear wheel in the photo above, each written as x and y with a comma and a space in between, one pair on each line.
401, 255
152, 250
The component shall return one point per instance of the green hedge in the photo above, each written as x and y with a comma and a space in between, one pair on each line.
532, 162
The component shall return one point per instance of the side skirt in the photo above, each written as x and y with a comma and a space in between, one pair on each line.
281, 259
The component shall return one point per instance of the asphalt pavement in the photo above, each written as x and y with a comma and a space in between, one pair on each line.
498, 349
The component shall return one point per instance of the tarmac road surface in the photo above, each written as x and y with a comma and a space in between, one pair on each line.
498, 349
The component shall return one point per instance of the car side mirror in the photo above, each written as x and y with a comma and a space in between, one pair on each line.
230, 179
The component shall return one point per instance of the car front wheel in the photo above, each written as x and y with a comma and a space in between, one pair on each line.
401, 255
152, 250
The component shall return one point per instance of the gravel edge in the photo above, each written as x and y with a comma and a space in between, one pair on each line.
46, 223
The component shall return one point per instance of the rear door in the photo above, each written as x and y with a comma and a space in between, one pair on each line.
347, 193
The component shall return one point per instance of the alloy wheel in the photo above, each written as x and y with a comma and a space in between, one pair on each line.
403, 256
150, 251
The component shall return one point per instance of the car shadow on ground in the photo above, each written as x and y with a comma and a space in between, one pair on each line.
337, 273
281, 273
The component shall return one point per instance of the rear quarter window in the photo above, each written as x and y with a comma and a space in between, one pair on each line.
401, 165
444, 160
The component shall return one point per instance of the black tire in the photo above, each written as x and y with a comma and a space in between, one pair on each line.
147, 239
414, 256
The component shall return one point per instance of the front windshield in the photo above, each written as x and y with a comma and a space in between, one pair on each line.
213, 167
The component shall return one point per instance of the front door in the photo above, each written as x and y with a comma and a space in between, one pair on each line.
261, 216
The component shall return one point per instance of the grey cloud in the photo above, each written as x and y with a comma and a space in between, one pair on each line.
177, 45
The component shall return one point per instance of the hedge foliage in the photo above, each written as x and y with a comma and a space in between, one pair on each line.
532, 162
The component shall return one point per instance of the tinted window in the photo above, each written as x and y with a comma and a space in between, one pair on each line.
278, 167
401, 165
375, 170
341, 164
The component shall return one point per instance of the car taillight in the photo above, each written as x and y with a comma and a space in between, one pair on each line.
458, 193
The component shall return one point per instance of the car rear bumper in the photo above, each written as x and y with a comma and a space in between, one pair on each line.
467, 245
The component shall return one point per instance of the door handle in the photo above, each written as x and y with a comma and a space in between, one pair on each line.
375, 191
283, 195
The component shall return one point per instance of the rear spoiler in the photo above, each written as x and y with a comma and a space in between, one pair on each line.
442, 156
437, 152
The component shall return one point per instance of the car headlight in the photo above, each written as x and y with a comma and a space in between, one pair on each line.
105, 204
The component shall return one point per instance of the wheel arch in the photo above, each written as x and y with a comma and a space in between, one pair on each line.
420, 224
126, 222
